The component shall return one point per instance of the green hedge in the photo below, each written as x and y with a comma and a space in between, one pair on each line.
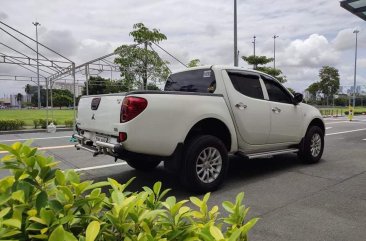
69, 123
39, 202
356, 112
7, 125
43, 123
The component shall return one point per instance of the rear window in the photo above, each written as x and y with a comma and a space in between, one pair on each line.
200, 80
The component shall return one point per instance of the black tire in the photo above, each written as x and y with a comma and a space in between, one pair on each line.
143, 164
204, 176
310, 152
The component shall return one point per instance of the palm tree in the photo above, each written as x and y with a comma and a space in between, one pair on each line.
19, 98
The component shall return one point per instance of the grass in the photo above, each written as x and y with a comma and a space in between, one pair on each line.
29, 115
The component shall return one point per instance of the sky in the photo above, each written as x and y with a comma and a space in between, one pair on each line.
311, 33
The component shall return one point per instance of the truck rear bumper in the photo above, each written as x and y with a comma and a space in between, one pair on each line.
97, 147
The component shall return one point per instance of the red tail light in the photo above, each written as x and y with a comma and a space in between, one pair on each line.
132, 107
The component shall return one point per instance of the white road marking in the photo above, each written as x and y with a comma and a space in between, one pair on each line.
47, 148
327, 128
100, 167
39, 138
342, 132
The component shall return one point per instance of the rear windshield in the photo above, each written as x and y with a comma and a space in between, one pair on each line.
200, 80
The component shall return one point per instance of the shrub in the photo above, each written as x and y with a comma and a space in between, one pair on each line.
43, 122
36, 123
40, 202
69, 123
7, 125
355, 113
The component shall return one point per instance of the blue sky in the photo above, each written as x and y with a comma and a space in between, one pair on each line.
312, 33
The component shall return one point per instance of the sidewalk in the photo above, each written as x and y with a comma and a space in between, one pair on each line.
59, 129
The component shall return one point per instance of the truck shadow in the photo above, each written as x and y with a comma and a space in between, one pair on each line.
241, 171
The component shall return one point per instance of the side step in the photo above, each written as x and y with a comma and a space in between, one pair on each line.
269, 153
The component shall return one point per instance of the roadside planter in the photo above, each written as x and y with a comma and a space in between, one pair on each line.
40, 202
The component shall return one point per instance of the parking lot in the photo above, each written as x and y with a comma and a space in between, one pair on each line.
324, 201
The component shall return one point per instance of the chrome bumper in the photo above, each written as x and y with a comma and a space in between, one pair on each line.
98, 147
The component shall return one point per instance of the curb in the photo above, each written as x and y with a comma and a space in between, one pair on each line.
33, 131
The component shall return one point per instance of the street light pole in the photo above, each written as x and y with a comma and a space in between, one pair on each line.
39, 87
235, 36
354, 82
274, 50
254, 37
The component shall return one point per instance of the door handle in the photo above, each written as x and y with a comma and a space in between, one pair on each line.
241, 106
276, 109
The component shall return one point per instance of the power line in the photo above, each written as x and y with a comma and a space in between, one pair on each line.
170, 55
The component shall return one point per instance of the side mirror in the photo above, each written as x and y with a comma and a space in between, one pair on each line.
298, 98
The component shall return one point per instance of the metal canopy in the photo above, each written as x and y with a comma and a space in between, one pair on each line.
357, 7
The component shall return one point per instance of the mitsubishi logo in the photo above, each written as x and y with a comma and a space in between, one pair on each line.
93, 117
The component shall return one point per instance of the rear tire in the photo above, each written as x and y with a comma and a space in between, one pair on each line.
146, 164
205, 164
312, 146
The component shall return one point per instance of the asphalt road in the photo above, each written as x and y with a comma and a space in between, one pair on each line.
324, 201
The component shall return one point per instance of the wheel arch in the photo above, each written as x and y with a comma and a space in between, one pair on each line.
316, 122
214, 127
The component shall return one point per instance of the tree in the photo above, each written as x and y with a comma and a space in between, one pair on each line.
291, 90
263, 60
62, 100
138, 65
152, 86
194, 63
329, 80
96, 86
314, 89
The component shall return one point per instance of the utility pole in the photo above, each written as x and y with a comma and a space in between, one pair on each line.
254, 37
354, 83
235, 36
39, 87
274, 50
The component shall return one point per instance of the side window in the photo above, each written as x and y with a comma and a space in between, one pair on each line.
246, 84
276, 92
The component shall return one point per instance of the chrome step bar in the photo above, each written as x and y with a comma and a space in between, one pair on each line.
269, 153
87, 148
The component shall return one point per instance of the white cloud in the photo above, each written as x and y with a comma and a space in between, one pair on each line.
345, 39
3, 15
315, 51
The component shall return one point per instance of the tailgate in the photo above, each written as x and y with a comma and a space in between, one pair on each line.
100, 113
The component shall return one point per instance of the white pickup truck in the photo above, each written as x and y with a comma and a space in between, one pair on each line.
203, 115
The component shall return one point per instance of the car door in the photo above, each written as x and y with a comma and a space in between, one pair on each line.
286, 117
250, 109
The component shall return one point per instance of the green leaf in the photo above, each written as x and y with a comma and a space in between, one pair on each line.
196, 201
15, 223
18, 196
4, 212
216, 233
245, 229
56, 205
58, 234
92, 231
70, 237
41, 200
228, 206
157, 187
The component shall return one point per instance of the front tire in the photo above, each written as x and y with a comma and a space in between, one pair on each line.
206, 164
143, 164
313, 145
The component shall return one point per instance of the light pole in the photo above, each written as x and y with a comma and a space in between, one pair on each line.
254, 37
354, 82
235, 36
39, 87
274, 50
